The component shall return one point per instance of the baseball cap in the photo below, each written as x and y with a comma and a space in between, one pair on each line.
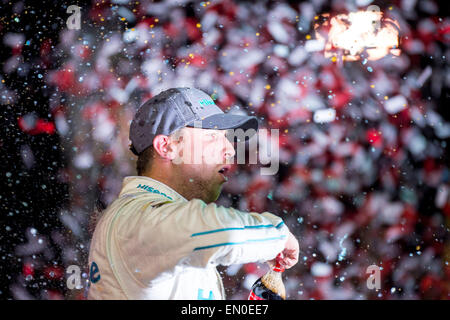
176, 108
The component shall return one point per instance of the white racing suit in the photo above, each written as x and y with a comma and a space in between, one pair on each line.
151, 243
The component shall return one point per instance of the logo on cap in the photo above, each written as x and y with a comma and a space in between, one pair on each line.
205, 102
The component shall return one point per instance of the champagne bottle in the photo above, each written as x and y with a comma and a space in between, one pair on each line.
270, 286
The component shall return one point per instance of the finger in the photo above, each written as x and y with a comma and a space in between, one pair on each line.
289, 262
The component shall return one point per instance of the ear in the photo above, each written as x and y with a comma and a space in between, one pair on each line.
164, 146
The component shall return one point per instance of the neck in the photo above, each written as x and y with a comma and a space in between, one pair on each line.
164, 175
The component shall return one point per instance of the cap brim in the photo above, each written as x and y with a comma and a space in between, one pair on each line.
225, 121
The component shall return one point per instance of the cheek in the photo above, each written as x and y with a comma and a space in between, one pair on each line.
212, 152
203, 172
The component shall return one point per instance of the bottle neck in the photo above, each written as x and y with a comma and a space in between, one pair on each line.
278, 268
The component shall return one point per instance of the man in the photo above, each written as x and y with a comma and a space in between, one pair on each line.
164, 236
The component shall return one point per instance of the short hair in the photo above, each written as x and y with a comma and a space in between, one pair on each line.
144, 160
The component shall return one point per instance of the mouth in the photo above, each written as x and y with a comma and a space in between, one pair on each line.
224, 171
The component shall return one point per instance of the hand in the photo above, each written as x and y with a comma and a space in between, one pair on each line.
289, 256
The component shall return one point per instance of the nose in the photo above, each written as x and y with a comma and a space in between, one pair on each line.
229, 151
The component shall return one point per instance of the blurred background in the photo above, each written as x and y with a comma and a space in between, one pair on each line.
363, 177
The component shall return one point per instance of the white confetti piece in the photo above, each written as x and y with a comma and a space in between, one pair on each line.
395, 104
324, 115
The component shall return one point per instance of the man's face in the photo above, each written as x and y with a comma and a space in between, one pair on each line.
201, 161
